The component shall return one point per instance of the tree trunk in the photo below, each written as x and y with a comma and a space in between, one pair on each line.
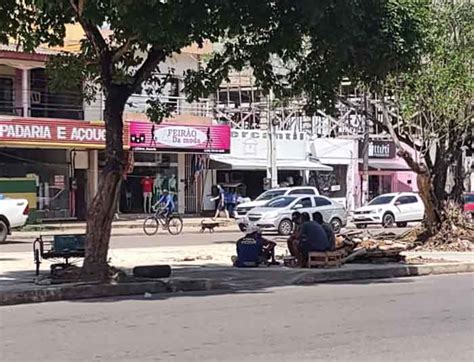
433, 207
458, 173
103, 207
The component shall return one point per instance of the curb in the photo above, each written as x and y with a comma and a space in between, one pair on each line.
389, 271
74, 291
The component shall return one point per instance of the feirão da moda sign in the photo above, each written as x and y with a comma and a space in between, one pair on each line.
54, 133
186, 138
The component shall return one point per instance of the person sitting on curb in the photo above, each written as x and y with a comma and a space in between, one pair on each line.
253, 249
327, 229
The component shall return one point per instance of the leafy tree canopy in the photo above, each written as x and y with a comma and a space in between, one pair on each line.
310, 45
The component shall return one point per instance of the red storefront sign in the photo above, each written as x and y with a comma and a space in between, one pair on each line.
57, 133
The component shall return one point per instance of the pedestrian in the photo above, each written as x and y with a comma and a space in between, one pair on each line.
221, 203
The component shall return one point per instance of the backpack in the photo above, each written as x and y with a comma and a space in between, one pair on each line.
248, 252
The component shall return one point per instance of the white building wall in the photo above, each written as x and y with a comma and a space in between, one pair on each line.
178, 64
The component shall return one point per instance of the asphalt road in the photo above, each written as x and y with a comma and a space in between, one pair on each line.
140, 240
428, 318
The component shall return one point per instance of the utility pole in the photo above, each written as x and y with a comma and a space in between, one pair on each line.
272, 170
365, 154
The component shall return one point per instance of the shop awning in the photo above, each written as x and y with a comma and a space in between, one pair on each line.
226, 162
388, 165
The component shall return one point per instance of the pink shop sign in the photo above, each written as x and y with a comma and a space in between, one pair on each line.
146, 136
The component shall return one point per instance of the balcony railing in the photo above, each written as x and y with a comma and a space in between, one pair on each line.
42, 104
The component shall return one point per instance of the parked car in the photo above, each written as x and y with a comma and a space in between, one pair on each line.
388, 209
243, 208
469, 205
13, 214
276, 214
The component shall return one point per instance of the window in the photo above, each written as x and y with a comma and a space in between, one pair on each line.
321, 201
403, 200
306, 202
302, 192
279, 202
271, 194
6, 95
381, 200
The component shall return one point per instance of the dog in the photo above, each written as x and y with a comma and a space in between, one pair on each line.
209, 225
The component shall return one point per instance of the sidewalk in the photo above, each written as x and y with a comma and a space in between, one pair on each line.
119, 228
206, 268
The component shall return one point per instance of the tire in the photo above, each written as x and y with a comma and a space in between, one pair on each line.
243, 227
285, 228
150, 226
388, 220
336, 225
402, 224
361, 226
3, 231
175, 225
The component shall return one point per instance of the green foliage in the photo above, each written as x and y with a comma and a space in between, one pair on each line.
439, 93
306, 48
294, 47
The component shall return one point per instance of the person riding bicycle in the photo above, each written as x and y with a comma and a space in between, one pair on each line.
167, 204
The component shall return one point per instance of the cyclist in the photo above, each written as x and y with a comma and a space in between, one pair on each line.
167, 204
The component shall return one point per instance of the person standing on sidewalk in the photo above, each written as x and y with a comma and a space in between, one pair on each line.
221, 204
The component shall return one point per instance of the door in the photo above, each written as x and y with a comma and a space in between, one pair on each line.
307, 205
404, 210
325, 207
418, 208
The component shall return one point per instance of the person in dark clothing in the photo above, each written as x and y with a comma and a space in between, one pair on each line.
327, 228
312, 238
254, 249
293, 240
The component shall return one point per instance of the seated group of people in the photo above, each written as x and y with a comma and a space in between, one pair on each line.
308, 235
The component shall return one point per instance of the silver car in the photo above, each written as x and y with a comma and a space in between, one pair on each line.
276, 214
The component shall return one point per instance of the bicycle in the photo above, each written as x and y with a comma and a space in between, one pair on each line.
173, 223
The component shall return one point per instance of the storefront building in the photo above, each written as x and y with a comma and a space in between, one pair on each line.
173, 157
51, 162
387, 172
247, 162
341, 183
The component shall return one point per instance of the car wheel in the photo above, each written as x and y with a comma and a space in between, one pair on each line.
336, 225
388, 220
361, 226
285, 227
3, 231
402, 224
243, 227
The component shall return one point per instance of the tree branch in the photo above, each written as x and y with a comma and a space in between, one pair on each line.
404, 138
402, 152
155, 57
123, 49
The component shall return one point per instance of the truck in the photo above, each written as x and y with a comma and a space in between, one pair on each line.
13, 214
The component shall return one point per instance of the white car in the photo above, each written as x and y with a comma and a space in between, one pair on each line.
13, 214
388, 209
276, 215
243, 208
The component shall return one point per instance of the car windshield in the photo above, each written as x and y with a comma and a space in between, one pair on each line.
469, 199
280, 202
381, 200
271, 194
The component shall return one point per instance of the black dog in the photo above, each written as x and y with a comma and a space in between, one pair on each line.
210, 225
